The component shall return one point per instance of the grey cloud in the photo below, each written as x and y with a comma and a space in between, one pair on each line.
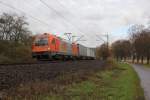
82, 16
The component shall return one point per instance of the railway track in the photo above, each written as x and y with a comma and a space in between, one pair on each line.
11, 75
42, 62
30, 63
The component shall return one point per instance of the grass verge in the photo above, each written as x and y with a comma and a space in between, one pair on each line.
120, 83
147, 65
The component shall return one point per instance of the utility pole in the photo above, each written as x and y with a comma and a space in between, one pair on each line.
105, 41
107, 36
105, 54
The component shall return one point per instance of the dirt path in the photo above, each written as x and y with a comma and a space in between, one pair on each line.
144, 74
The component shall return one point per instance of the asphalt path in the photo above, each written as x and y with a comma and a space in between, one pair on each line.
144, 74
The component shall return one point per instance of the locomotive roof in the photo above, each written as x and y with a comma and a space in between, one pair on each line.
47, 34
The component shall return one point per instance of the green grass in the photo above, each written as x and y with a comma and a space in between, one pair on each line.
119, 83
147, 65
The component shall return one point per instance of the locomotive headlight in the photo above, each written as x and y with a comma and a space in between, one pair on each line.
48, 48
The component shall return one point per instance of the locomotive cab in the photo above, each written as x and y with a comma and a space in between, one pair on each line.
40, 46
45, 46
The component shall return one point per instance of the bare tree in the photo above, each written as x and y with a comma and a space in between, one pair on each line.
13, 28
140, 44
6, 24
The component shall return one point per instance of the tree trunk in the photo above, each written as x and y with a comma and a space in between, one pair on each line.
148, 59
121, 58
133, 58
124, 58
137, 59
142, 58
117, 58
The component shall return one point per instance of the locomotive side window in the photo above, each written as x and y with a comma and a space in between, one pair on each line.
53, 41
41, 41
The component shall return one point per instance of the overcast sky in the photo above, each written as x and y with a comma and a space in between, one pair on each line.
81, 17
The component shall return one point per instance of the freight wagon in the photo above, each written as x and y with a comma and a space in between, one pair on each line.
48, 46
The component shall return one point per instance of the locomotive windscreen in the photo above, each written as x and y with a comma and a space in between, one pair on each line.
41, 41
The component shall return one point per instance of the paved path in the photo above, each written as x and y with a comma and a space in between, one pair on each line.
144, 74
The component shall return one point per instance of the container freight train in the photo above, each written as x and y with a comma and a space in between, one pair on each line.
48, 46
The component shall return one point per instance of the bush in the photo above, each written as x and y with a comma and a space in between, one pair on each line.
23, 53
14, 52
4, 59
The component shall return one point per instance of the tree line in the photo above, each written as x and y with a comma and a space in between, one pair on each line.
136, 48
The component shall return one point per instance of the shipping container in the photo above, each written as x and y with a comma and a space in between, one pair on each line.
92, 52
88, 52
69, 49
82, 50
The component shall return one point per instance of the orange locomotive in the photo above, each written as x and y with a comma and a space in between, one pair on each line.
48, 46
